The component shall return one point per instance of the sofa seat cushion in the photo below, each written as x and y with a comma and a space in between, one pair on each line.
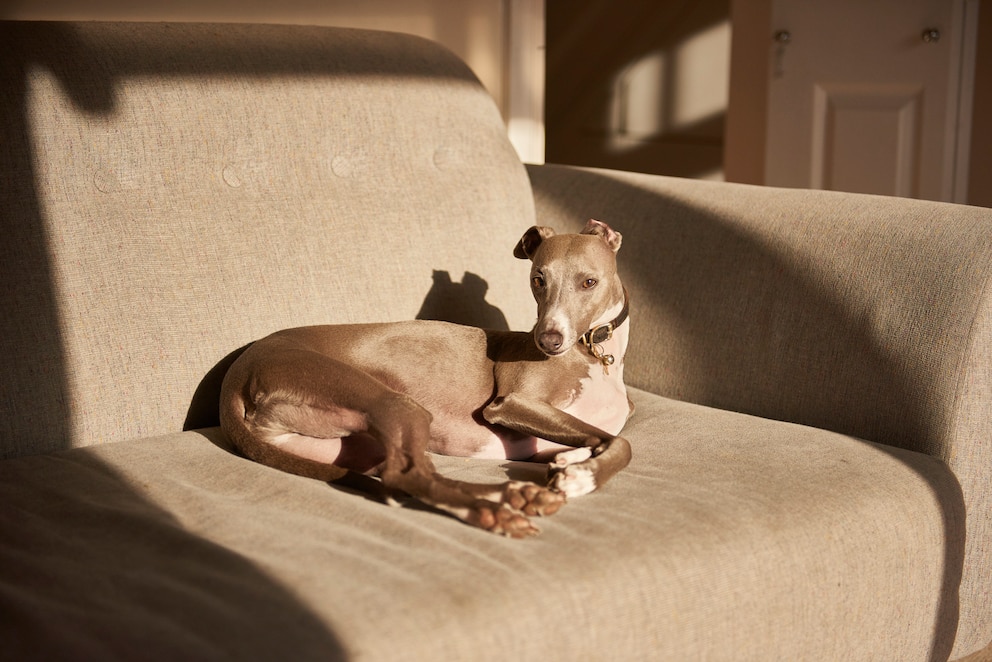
729, 535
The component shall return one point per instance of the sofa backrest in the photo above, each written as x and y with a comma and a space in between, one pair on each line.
173, 192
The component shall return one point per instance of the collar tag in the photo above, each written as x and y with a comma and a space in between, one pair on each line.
606, 359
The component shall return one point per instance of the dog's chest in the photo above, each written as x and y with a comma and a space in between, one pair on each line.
600, 399
594, 397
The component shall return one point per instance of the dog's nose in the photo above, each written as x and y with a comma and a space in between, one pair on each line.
550, 341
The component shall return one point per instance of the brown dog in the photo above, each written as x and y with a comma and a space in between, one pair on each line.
374, 398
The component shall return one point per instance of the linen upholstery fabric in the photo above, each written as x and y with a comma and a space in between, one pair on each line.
172, 192
191, 188
729, 538
863, 315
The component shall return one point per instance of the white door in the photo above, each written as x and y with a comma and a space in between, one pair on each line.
864, 96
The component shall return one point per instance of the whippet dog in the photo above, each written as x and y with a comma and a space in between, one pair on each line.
321, 401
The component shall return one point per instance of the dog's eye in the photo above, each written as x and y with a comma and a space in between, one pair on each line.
537, 282
589, 283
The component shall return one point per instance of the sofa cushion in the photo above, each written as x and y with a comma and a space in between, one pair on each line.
732, 536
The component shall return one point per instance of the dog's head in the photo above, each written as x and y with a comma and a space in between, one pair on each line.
574, 281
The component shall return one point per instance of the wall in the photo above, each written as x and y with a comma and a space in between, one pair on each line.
638, 85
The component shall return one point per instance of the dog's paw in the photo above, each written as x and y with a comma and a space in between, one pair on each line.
571, 473
532, 499
573, 480
502, 520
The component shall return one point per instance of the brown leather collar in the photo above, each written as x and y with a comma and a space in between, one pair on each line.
600, 334
604, 332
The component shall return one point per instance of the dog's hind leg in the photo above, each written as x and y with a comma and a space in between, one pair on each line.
404, 427
306, 413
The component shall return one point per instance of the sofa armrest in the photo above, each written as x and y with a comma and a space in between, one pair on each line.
849, 312
866, 315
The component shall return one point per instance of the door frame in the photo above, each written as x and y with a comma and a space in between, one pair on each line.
961, 163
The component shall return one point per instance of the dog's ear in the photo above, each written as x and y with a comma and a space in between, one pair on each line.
612, 238
528, 243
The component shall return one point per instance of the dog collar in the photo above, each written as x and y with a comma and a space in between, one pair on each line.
594, 337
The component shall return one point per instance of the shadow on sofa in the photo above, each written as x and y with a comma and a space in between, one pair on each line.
154, 574
461, 303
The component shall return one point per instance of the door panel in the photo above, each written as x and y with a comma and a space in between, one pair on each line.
865, 138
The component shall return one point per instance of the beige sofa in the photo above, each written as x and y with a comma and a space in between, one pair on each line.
812, 477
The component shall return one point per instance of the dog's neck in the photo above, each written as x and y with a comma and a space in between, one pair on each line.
606, 341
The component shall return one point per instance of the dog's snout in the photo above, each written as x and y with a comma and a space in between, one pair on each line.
550, 341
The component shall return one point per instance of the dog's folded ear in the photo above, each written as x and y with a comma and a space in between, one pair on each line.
612, 238
528, 243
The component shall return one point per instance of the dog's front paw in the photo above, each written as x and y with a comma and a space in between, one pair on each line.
531, 499
573, 481
502, 520
572, 472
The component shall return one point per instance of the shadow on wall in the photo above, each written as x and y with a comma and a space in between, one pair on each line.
721, 320
638, 86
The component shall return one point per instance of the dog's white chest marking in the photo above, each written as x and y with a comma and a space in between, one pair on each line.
601, 399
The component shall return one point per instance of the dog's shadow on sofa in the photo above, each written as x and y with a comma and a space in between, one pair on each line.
204, 408
462, 303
